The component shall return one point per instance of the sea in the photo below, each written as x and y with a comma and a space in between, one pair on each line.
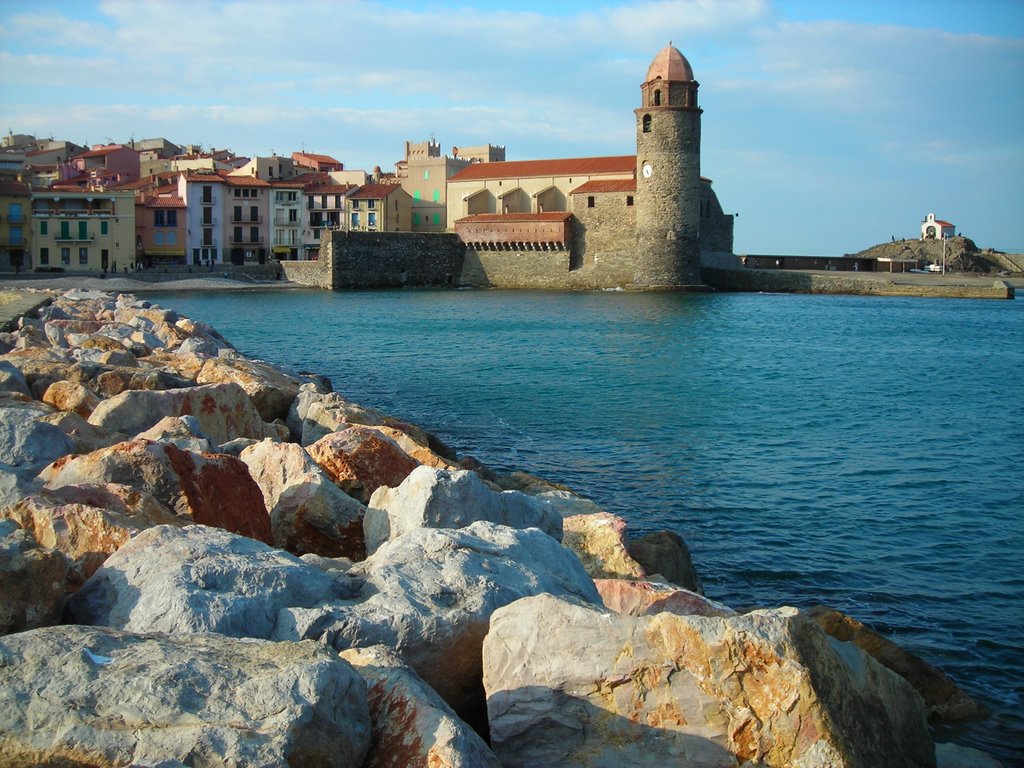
862, 452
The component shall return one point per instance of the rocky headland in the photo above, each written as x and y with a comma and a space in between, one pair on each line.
206, 559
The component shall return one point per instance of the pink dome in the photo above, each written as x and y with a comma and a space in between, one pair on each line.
670, 64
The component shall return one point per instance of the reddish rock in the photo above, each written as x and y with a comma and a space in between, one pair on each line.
645, 598
666, 554
88, 523
360, 460
272, 391
415, 449
211, 489
69, 396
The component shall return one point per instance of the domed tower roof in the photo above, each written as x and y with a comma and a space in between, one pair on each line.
670, 64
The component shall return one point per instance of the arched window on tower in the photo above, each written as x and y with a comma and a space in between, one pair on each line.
657, 98
647, 123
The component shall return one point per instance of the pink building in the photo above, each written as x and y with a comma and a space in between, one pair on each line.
319, 163
102, 166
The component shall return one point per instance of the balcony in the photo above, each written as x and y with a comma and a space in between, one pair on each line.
239, 219
245, 241
15, 218
212, 222
69, 238
13, 242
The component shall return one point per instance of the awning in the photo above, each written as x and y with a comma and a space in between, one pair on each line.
164, 252
283, 248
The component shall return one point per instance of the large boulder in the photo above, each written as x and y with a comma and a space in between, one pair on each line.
440, 498
644, 598
27, 443
430, 593
88, 523
12, 379
571, 685
360, 460
185, 432
271, 389
599, 541
666, 554
224, 411
198, 579
323, 413
99, 697
412, 725
417, 449
210, 489
32, 580
308, 512
69, 396
945, 700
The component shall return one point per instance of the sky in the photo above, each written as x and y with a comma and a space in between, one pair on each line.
828, 126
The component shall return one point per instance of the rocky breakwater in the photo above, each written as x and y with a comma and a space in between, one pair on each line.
208, 560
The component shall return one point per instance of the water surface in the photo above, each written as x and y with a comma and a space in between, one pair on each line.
863, 452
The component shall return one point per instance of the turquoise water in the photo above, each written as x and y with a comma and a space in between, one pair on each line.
867, 453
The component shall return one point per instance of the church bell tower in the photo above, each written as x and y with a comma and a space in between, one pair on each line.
668, 176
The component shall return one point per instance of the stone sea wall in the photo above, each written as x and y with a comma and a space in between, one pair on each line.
207, 559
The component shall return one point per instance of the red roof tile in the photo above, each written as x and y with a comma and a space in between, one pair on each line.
327, 189
942, 223
103, 151
317, 158
14, 188
374, 191
165, 201
199, 176
244, 181
605, 185
578, 166
508, 217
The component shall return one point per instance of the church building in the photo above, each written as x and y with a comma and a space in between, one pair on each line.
632, 221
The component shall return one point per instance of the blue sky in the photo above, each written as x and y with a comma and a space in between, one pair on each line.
828, 126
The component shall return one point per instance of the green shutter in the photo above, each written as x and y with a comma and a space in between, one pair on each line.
103, 227
65, 230
43, 227
83, 230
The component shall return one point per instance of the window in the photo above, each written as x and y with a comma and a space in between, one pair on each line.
172, 219
590, 201
293, 216
44, 255
104, 227
158, 219
237, 215
65, 230
83, 255
437, 195
437, 218
323, 201
254, 213
254, 234
65, 256
647, 124
207, 237
355, 204
337, 201
416, 194
371, 203
207, 193
309, 202
237, 235
629, 200
657, 98
426, 173
207, 215
355, 219
43, 227
172, 238
371, 219
83, 230
158, 238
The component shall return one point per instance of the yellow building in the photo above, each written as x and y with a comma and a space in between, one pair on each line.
83, 231
15, 200
379, 208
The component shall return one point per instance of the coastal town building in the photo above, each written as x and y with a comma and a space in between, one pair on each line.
286, 218
424, 173
15, 203
247, 213
936, 229
204, 194
317, 163
82, 230
160, 227
325, 210
102, 166
379, 208
272, 168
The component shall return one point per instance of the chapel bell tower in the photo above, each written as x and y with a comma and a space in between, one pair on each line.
668, 176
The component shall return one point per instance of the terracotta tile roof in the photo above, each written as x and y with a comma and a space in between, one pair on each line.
605, 185
199, 176
244, 181
578, 166
103, 151
14, 188
327, 189
491, 218
374, 191
942, 223
316, 158
164, 201
287, 184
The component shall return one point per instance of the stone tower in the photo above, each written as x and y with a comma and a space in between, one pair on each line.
668, 176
